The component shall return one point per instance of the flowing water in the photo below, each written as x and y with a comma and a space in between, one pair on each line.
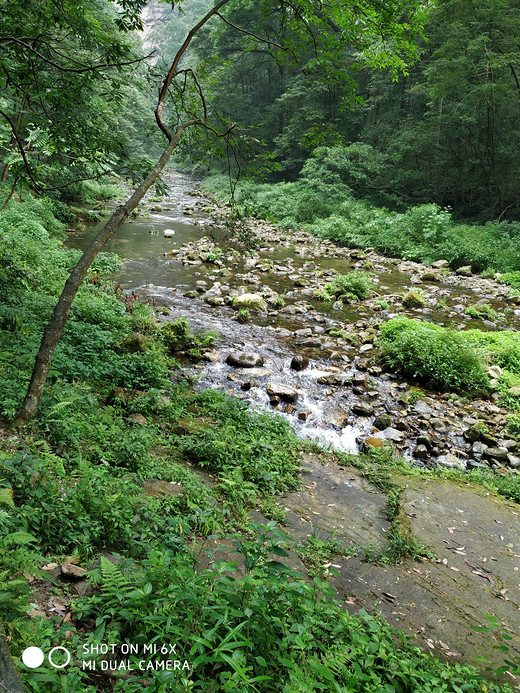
162, 260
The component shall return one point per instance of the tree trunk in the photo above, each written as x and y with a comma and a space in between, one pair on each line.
54, 329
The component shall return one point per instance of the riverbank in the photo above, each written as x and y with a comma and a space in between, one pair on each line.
135, 471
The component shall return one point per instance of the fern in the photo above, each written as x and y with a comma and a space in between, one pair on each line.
6, 497
115, 583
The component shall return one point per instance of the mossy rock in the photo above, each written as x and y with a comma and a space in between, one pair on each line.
249, 302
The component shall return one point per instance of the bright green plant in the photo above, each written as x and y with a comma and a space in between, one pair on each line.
444, 358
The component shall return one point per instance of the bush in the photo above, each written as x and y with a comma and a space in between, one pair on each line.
440, 357
355, 284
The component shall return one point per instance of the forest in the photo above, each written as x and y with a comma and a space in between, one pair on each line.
259, 346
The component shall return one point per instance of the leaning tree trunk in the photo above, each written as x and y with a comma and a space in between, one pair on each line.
54, 329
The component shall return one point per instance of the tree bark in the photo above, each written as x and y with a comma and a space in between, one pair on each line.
54, 329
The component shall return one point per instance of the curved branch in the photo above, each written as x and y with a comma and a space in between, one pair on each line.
77, 70
21, 149
173, 68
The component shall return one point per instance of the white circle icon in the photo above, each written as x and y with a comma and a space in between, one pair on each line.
32, 657
59, 666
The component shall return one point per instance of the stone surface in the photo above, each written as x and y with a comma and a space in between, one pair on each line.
74, 572
363, 409
244, 359
450, 460
284, 392
299, 362
249, 302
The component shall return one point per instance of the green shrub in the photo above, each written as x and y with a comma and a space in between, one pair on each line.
432, 354
355, 284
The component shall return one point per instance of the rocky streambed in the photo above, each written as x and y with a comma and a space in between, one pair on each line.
315, 363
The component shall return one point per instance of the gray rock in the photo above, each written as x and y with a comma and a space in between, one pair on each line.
497, 453
382, 421
478, 448
284, 392
450, 460
464, 271
440, 264
299, 362
363, 409
242, 359
513, 461
422, 408
421, 452
74, 572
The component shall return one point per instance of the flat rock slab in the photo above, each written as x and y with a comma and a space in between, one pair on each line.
476, 538
336, 502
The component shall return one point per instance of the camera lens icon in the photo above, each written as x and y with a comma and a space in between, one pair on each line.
33, 657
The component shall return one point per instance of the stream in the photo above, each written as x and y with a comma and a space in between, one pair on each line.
312, 359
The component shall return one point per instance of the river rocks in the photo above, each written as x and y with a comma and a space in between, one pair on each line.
371, 443
421, 407
283, 392
464, 271
440, 264
478, 449
382, 421
513, 461
304, 415
249, 302
422, 452
336, 418
299, 362
499, 454
392, 434
363, 409
242, 359
168, 233
450, 461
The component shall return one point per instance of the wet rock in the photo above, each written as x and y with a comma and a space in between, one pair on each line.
497, 453
305, 332
513, 460
290, 409
299, 362
392, 434
336, 418
422, 452
474, 432
214, 300
421, 407
249, 301
425, 440
359, 380
242, 359
332, 379
371, 443
450, 460
366, 347
305, 414
430, 277
382, 421
284, 392
363, 409
475, 464
211, 355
